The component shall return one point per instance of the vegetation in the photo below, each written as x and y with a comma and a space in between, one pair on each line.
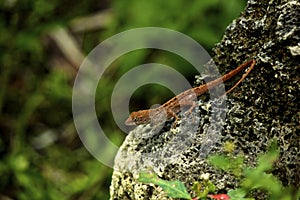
250, 178
42, 157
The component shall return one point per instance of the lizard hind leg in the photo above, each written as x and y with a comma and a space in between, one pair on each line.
190, 111
252, 62
171, 113
191, 104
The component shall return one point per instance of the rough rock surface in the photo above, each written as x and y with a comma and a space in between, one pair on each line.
264, 107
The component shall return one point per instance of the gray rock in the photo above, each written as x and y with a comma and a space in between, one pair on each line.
264, 107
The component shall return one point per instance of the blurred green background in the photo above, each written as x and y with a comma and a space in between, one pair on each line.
41, 46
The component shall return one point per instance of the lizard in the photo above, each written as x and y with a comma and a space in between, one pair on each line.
172, 107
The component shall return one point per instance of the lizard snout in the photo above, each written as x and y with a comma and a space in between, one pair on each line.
129, 122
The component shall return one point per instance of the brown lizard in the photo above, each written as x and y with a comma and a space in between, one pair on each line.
186, 98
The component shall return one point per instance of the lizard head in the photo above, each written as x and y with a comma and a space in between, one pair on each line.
139, 117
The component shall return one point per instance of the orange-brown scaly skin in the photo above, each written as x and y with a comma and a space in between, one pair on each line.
172, 107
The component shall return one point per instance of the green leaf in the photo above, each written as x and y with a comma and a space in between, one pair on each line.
238, 194
229, 164
265, 162
174, 189
259, 178
220, 161
203, 188
255, 179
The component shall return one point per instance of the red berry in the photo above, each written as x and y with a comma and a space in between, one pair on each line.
219, 196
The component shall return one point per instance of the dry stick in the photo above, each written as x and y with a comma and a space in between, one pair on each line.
186, 98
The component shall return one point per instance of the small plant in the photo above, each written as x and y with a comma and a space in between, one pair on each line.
253, 178
204, 187
175, 189
233, 165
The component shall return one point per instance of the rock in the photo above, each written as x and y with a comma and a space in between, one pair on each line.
264, 107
